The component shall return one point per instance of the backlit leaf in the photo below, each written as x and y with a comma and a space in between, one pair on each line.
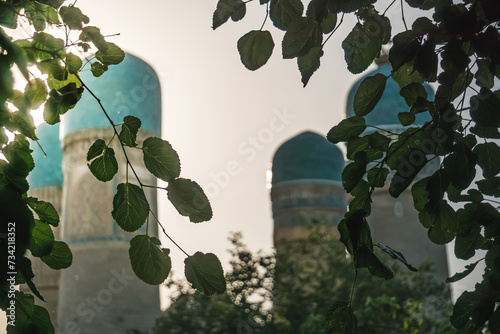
105, 166
161, 159
360, 49
205, 273
60, 257
226, 9
309, 63
284, 12
42, 239
346, 129
189, 200
255, 48
301, 35
128, 133
148, 261
130, 207
368, 94
112, 56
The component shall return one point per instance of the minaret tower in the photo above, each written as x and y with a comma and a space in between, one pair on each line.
394, 221
46, 182
306, 184
99, 293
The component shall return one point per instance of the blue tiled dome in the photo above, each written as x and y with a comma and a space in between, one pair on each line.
48, 169
387, 109
307, 156
129, 88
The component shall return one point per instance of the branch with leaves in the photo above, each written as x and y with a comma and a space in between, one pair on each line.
43, 54
454, 45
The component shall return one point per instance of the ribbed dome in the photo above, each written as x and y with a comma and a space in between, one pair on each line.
129, 88
48, 169
387, 109
307, 156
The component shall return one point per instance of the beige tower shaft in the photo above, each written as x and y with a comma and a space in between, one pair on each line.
100, 293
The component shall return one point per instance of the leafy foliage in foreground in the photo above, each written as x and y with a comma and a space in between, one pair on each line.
301, 292
27, 222
456, 46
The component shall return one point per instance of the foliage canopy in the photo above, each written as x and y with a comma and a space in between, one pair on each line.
454, 45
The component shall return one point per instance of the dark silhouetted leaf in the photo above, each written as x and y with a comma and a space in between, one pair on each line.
488, 158
226, 9
128, 133
396, 255
346, 129
309, 63
189, 200
284, 12
360, 48
302, 35
205, 273
368, 94
148, 261
161, 159
340, 319
255, 48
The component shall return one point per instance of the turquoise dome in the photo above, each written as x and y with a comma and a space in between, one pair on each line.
129, 88
48, 169
307, 156
387, 109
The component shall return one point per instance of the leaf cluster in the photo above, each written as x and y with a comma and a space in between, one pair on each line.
456, 47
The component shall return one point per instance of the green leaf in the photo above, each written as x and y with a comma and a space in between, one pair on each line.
426, 61
408, 167
46, 42
405, 47
60, 257
25, 305
98, 68
461, 165
458, 276
302, 34
93, 34
73, 63
149, 263
73, 17
189, 200
60, 101
105, 166
40, 319
347, 129
226, 9
309, 63
96, 149
484, 108
442, 222
488, 158
45, 211
8, 15
340, 319
360, 48
406, 75
356, 144
362, 199
466, 242
463, 309
35, 93
255, 48
412, 92
23, 266
354, 171
24, 123
406, 118
205, 273
112, 56
368, 94
490, 187
42, 239
396, 255
484, 76
376, 176
130, 207
329, 23
284, 12
161, 159
128, 133
365, 258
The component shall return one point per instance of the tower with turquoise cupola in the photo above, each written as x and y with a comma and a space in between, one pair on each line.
306, 185
99, 292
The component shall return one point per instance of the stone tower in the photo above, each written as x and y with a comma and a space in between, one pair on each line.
99, 293
306, 184
394, 221
46, 182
